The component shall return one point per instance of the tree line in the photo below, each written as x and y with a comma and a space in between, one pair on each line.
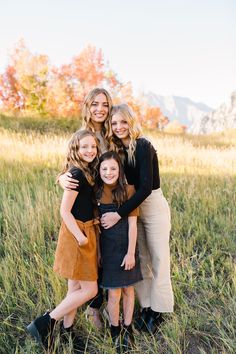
31, 85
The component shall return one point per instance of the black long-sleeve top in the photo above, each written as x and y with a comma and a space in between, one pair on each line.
144, 175
83, 206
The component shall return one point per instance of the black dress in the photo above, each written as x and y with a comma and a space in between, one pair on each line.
114, 246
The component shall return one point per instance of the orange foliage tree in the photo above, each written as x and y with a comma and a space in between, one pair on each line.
10, 95
154, 118
31, 85
70, 83
60, 97
175, 127
86, 71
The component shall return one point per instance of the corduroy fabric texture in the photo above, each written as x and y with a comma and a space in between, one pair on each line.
73, 261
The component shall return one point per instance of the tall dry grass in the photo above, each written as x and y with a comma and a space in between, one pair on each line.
199, 183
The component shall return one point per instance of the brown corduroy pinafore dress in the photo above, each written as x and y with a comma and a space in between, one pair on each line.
73, 261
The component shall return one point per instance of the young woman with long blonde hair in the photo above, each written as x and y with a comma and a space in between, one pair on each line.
142, 170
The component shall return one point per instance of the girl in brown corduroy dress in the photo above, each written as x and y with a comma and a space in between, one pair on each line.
76, 253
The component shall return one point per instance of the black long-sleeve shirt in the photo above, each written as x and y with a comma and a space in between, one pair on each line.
144, 175
83, 207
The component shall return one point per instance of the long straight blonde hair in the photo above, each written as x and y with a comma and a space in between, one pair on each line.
134, 131
86, 115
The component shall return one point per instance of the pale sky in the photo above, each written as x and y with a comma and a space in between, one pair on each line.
183, 48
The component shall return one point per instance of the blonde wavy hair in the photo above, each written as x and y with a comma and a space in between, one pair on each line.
135, 132
86, 115
73, 158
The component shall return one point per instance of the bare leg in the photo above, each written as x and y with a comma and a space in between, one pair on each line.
113, 305
73, 285
88, 289
128, 304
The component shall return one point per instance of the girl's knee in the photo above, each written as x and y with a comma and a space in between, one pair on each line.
114, 296
90, 288
128, 291
73, 285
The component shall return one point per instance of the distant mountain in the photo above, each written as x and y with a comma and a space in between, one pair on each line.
183, 109
220, 119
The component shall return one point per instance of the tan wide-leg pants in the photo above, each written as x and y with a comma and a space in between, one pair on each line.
154, 226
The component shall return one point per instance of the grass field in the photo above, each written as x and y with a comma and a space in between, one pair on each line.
199, 181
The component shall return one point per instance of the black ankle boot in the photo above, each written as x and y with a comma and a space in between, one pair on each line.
153, 321
128, 339
115, 335
65, 333
139, 323
68, 335
42, 330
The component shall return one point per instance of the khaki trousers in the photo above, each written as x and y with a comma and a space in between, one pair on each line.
154, 226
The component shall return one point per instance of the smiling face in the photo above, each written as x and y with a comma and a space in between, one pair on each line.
109, 171
120, 127
88, 148
99, 110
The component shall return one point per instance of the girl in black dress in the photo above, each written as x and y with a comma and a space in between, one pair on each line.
119, 258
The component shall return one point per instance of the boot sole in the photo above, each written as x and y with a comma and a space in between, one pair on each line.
32, 330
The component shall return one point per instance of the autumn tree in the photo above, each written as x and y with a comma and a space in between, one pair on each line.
61, 98
152, 117
31, 84
26, 80
175, 127
10, 95
70, 83
88, 70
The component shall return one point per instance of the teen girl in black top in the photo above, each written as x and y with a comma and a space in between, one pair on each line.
141, 169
